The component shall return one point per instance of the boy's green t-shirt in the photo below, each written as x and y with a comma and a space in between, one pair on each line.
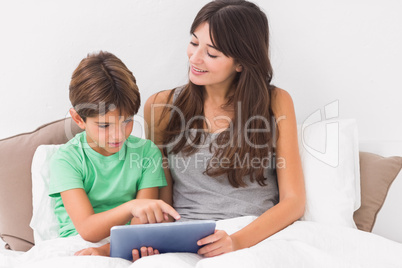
109, 181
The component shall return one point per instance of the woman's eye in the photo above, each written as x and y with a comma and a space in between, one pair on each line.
212, 56
194, 44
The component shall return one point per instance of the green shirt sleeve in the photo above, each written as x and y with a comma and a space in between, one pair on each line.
152, 171
64, 174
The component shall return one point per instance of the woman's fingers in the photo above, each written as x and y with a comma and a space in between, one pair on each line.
209, 243
214, 253
216, 244
209, 239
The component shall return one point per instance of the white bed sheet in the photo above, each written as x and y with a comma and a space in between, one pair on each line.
302, 244
7, 256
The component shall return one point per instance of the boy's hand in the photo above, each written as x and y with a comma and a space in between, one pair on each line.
100, 251
105, 251
144, 252
152, 210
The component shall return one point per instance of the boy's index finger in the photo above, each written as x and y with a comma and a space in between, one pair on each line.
169, 210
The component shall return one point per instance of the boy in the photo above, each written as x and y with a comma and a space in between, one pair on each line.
103, 176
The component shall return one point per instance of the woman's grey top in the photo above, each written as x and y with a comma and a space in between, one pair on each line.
197, 196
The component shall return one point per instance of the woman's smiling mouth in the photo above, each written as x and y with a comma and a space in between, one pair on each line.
197, 71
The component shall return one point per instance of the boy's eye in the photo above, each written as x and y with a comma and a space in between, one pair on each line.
103, 126
128, 121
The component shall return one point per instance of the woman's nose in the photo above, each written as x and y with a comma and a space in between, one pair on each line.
196, 56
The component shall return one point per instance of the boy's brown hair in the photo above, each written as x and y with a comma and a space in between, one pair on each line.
102, 82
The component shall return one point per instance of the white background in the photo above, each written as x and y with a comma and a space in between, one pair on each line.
322, 51
349, 51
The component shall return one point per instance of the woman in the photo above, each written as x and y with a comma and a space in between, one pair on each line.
230, 136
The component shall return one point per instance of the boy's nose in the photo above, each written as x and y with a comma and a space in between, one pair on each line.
117, 133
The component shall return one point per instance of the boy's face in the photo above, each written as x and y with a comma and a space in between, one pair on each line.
107, 133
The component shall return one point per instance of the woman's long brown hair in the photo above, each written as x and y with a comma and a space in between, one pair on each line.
239, 29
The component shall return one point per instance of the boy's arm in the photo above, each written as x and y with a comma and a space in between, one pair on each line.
166, 193
95, 227
147, 193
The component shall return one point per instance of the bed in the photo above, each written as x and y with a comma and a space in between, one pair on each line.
350, 219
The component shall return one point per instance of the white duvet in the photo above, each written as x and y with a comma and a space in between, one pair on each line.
302, 244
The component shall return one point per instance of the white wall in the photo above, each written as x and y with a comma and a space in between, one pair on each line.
322, 51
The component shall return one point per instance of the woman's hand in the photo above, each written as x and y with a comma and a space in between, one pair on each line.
144, 252
216, 244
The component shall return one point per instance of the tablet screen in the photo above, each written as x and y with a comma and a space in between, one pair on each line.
165, 237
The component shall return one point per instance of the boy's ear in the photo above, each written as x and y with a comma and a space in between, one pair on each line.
77, 118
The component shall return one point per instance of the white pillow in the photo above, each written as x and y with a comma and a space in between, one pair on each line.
330, 158
44, 222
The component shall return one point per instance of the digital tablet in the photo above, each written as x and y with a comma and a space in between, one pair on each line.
165, 237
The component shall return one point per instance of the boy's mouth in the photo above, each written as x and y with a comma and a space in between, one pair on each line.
115, 144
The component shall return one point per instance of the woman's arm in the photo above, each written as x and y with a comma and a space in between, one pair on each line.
156, 122
95, 227
290, 182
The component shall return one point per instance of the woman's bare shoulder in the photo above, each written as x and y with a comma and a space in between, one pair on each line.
155, 114
282, 103
161, 97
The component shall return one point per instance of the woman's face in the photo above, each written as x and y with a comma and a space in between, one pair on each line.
208, 66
